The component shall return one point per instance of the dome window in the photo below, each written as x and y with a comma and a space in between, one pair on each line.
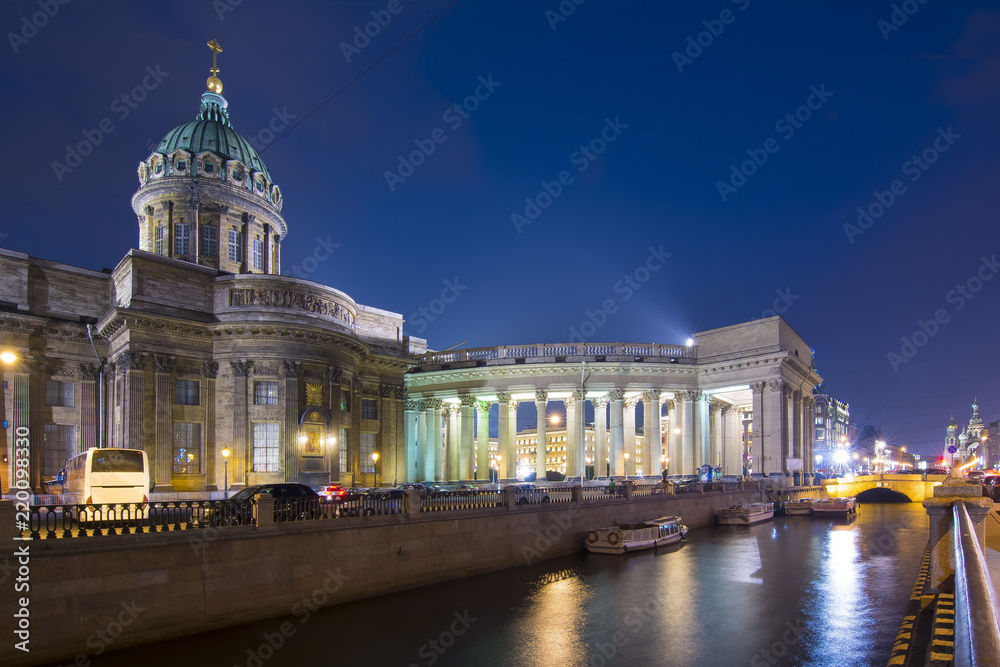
158, 168
209, 167
238, 174
260, 186
181, 165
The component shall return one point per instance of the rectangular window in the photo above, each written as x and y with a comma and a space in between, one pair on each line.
182, 239
367, 449
186, 392
345, 461
345, 400
235, 246
369, 409
58, 448
209, 241
187, 449
59, 393
265, 392
266, 448
158, 240
258, 255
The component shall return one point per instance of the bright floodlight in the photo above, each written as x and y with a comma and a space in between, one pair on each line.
8, 357
554, 419
841, 457
690, 342
819, 458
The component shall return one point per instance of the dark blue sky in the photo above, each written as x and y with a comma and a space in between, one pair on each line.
885, 96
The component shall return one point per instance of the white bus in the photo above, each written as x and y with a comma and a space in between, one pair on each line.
109, 476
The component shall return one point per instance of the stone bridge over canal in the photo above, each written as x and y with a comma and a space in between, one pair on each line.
916, 487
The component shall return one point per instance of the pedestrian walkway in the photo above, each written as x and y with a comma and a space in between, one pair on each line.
992, 551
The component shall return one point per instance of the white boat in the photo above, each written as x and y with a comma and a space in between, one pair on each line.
634, 536
835, 507
799, 507
744, 515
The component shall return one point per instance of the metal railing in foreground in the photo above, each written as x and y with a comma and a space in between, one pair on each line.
977, 612
463, 501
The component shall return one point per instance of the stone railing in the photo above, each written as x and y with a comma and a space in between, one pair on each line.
568, 352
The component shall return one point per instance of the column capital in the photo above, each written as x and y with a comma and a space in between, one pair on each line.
503, 396
130, 361
726, 408
449, 409
483, 406
599, 402
88, 372
291, 368
651, 395
541, 395
690, 395
411, 405
616, 395
513, 403
242, 368
210, 369
714, 406
757, 387
630, 402
400, 392
336, 374
797, 395
164, 363
671, 404
467, 400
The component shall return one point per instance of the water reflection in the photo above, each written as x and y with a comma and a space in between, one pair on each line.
796, 591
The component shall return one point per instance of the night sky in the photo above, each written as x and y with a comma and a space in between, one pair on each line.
602, 133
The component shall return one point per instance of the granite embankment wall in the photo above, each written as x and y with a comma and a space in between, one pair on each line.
148, 587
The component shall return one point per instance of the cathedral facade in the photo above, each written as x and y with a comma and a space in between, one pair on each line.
974, 440
194, 347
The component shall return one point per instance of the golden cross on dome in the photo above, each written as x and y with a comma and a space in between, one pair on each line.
214, 83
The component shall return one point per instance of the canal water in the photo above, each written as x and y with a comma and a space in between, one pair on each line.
793, 591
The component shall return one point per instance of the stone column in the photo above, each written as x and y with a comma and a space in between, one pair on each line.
600, 436
511, 455
452, 442
359, 468
580, 439
687, 454
132, 365
673, 439
23, 411
424, 465
88, 409
942, 529
337, 420
732, 456
541, 441
757, 428
411, 450
629, 436
503, 436
651, 462
572, 426
387, 466
163, 444
703, 444
242, 455
616, 455
715, 433
775, 440
483, 441
795, 444
466, 447
290, 429
210, 369
808, 421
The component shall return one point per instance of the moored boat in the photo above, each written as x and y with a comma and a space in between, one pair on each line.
634, 536
799, 507
835, 507
744, 515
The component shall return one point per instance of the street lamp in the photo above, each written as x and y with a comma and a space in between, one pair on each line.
225, 468
586, 471
374, 474
8, 357
626, 465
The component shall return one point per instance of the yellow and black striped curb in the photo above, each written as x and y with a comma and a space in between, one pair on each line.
942, 648
918, 602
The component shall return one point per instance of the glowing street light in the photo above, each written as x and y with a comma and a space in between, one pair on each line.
225, 474
374, 462
8, 357
626, 465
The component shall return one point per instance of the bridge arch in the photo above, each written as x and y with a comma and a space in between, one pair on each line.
882, 494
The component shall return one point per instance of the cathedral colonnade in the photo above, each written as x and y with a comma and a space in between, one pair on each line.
753, 411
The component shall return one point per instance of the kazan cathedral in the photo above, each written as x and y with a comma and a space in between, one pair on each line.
194, 348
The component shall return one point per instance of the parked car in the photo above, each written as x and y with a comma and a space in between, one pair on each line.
292, 502
975, 476
332, 492
527, 492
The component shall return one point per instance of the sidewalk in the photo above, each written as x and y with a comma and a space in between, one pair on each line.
992, 552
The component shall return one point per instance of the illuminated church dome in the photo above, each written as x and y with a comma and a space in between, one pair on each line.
205, 195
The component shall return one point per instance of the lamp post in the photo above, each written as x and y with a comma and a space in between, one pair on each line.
374, 473
626, 465
225, 470
586, 471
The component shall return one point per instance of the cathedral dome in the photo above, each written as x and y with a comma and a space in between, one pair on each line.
212, 131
